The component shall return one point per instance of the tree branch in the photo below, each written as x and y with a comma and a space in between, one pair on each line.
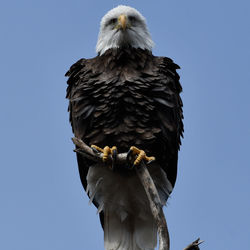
86, 151
150, 189
194, 245
155, 205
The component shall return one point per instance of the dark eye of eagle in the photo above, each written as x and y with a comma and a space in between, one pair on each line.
112, 21
132, 19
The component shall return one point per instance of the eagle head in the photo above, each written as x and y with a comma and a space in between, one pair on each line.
121, 27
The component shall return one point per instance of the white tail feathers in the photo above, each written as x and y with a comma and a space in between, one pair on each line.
131, 233
128, 221
93, 192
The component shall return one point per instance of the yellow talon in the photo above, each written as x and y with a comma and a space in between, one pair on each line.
106, 151
141, 155
97, 148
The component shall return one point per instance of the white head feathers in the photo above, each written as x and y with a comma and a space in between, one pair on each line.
123, 26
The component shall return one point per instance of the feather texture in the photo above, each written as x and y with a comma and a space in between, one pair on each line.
127, 97
128, 222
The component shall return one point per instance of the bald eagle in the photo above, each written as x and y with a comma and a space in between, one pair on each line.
126, 97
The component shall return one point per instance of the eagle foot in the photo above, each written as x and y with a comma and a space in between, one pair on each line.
106, 152
140, 155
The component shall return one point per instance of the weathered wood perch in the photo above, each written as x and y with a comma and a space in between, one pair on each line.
194, 245
149, 187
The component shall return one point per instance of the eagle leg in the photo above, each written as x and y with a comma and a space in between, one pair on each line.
140, 155
106, 152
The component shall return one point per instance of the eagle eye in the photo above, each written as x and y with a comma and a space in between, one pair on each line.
112, 21
132, 18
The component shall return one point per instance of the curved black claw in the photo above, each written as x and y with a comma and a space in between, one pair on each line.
95, 150
114, 157
129, 159
149, 162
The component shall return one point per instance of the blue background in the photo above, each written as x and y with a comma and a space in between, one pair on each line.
43, 205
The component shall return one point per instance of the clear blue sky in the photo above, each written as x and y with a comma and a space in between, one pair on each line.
43, 205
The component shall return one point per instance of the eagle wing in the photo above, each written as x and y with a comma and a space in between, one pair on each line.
80, 109
169, 114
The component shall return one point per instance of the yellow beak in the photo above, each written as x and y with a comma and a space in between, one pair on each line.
122, 21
